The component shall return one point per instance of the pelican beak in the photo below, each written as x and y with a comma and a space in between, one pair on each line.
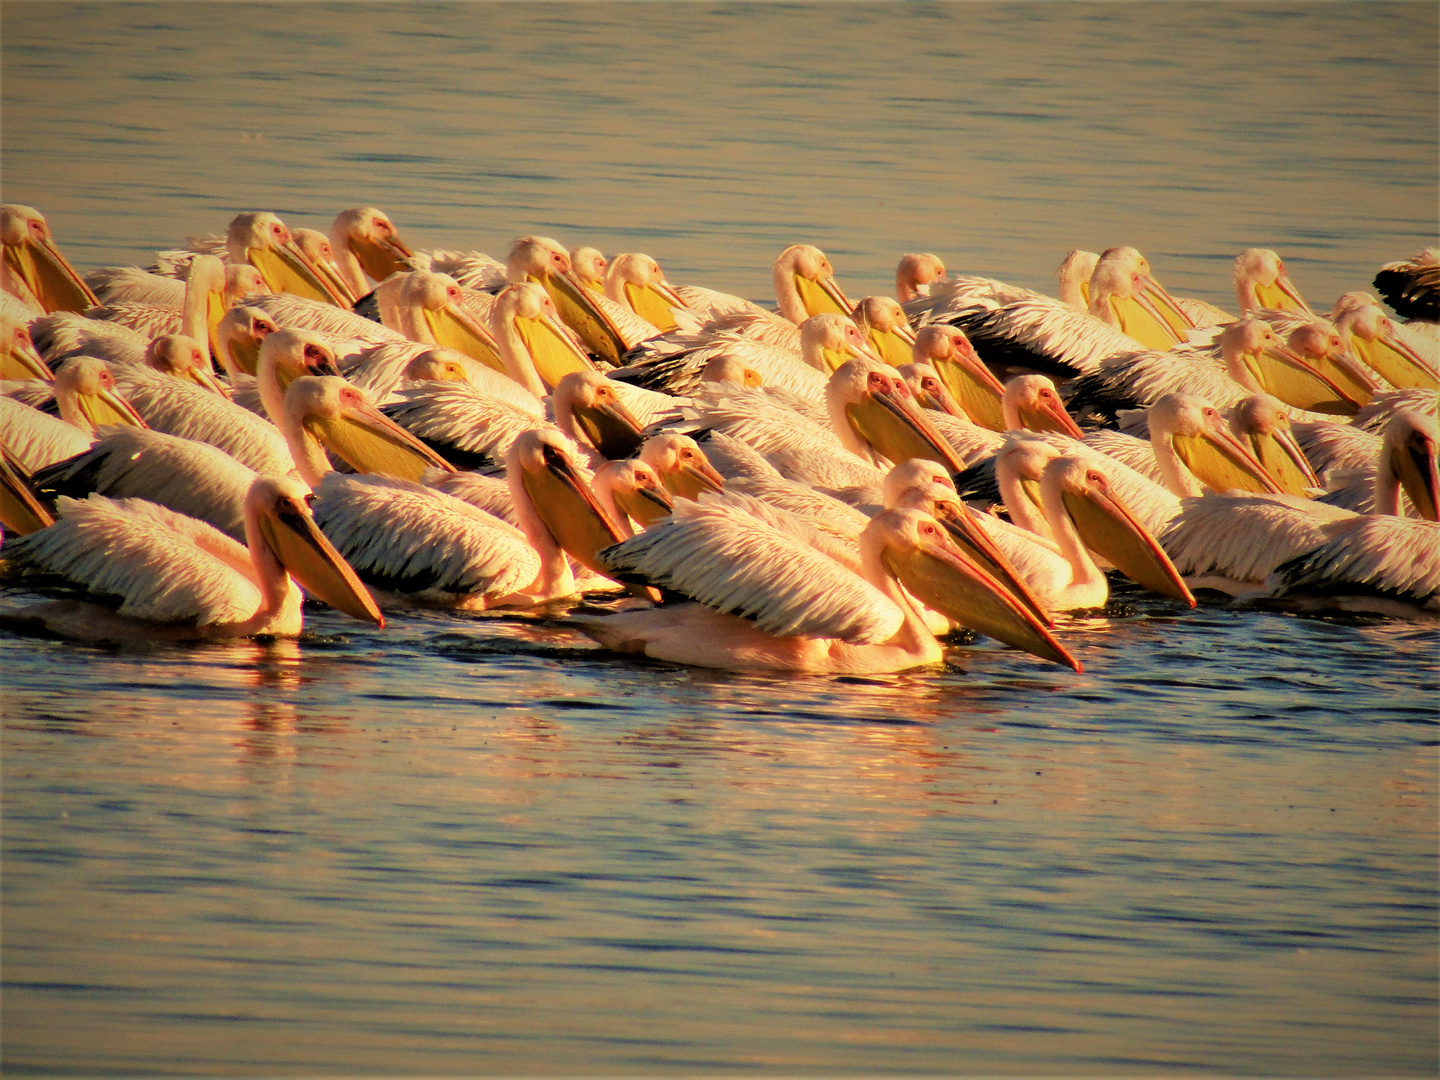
106, 406
286, 268
892, 346
692, 479
21, 361
455, 328
579, 311
975, 389
1281, 296
1298, 382
551, 348
1280, 456
1401, 365
1107, 527
653, 301
647, 505
245, 352
940, 575
21, 511
822, 295
1051, 416
370, 442
381, 258
1415, 465
330, 278
1221, 461
215, 308
1143, 301
312, 560
204, 378
49, 276
899, 431
1171, 312
942, 401
611, 428
959, 521
570, 510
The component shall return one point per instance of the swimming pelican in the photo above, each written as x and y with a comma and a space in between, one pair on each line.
32, 268
973, 386
681, 465
1031, 402
364, 242
1385, 565
543, 261
1405, 462
327, 411
589, 410
882, 322
1262, 282
36, 439
179, 579
636, 282
430, 308
88, 397
589, 266
238, 337
1260, 421
1374, 338
916, 274
18, 358
266, 243
1119, 297
1073, 275
631, 491
769, 602
874, 415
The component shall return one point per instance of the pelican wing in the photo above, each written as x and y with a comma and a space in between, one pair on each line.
37, 439
1243, 537
741, 566
708, 304
1381, 554
189, 477
488, 493
1041, 334
458, 418
159, 563
674, 364
64, 333
183, 409
1138, 454
1330, 445
130, 284
333, 323
1377, 414
413, 539
146, 319
971, 442
843, 549
826, 469
472, 269
762, 423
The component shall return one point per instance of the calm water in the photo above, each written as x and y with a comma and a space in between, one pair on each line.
479, 845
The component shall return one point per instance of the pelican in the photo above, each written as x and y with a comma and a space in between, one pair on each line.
179, 579
631, 491
974, 388
327, 410
18, 358
184, 358
1412, 286
875, 417
536, 351
1073, 275
588, 410
36, 439
1261, 282
383, 370
430, 308
63, 334
238, 337
189, 477
1032, 402
1119, 297
929, 392
543, 261
364, 242
1260, 421
883, 323
88, 397
472, 269
1385, 565
681, 465
916, 274
266, 243
769, 602
589, 266
1369, 334
636, 282
805, 284
32, 268
1405, 461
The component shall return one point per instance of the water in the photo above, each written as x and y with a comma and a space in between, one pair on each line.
468, 844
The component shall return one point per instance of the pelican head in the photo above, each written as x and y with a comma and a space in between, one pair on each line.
972, 385
731, 369
543, 261
1261, 282
681, 465
917, 472
182, 357
1079, 493
916, 272
918, 551
884, 325
586, 401
1074, 275
1370, 334
284, 356
85, 390
551, 493
432, 309
930, 392
279, 528
266, 243
1032, 402
32, 267
369, 235
537, 350
1119, 297
18, 358
805, 284
829, 339
241, 280
437, 365
1019, 465
1408, 459
635, 281
631, 490
315, 246
1260, 421
1351, 300
1256, 358
325, 410
1188, 430
238, 337
874, 414
1175, 320
589, 266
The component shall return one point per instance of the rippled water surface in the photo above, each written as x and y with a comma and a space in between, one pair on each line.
480, 845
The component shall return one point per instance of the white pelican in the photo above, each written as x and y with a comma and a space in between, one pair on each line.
769, 602
467, 427
681, 465
805, 284
1260, 421
32, 268
1031, 402
1073, 275
536, 351
88, 397
1262, 282
238, 337
327, 411
364, 242
1405, 462
19, 359
178, 578
1120, 298
472, 269
1412, 286
266, 243
930, 393
1368, 332
430, 307
589, 265
874, 415
1384, 565
189, 477
882, 321
315, 246
589, 410
631, 491
383, 370
543, 261
335, 323
916, 274
972, 384
183, 357
636, 282
36, 439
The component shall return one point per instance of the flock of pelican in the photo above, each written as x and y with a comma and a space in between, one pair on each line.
824, 487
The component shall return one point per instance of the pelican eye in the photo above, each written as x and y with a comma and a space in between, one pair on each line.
314, 355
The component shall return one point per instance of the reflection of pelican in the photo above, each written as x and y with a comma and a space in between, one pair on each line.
178, 578
32, 268
779, 604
